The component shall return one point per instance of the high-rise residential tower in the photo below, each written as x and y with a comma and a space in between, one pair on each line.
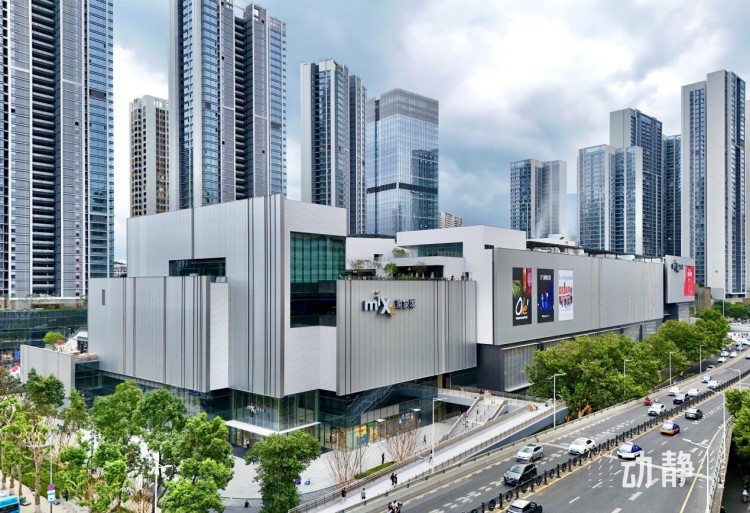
538, 197
149, 156
448, 220
672, 195
333, 103
631, 127
56, 151
227, 115
714, 188
610, 198
402, 162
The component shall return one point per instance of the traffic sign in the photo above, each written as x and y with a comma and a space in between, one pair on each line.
51, 496
50, 486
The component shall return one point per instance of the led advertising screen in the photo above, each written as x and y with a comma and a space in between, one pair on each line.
522, 280
689, 284
565, 294
545, 290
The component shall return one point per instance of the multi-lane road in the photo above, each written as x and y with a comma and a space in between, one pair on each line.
602, 485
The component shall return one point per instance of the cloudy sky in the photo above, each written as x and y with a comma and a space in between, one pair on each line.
515, 79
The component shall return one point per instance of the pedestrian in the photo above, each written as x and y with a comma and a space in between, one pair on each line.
363, 493
343, 495
424, 439
247, 503
382, 458
393, 479
430, 457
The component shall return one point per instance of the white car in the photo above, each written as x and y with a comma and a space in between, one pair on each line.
733, 354
721, 359
629, 451
581, 446
712, 385
530, 452
674, 391
656, 409
706, 379
724, 353
747, 356
693, 392
710, 367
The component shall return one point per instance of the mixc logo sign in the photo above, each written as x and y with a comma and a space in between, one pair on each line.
384, 306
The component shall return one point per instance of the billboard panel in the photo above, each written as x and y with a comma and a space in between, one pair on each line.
522, 280
545, 289
565, 294
688, 286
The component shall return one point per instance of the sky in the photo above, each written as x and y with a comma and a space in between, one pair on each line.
515, 79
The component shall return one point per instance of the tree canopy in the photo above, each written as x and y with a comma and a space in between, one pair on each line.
47, 393
281, 459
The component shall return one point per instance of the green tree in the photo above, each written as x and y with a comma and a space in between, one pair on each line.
205, 439
117, 418
390, 269
593, 368
9, 384
32, 429
52, 337
738, 404
47, 393
687, 337
75, 415
714, 327
197, 489
164, 415
662, 346
281, 459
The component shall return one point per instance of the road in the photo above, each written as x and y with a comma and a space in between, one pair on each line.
598, 485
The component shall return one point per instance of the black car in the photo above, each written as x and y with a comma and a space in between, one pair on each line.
693, 413
522, 506
520, 473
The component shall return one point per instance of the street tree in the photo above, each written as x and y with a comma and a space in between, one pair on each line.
9, 384
8, 409
75, 417
33, 431
281, 460
197, 489
47, 393
402, 444
687, 337
714, 327
117, 417
164, 415
204, 438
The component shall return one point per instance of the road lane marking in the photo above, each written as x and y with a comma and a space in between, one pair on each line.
694, 449
617, 510
597, 484
635, 496
571, 502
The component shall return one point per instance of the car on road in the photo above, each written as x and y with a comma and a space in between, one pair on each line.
693, 414
669, 428
712, 385
522, 506
581, 445
724, 353
706, 378
733, 354
673, 391
530, 452
710, 367
629, 451
519, 473
680, 398
656, 409
747, 356
721, 359
692, 393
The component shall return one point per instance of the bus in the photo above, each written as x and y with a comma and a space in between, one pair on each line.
9, 503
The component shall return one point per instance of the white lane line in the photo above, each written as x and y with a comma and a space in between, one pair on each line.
704, 442
635, 496
571, 502
694, 449
597, 484
664, 443
617, 510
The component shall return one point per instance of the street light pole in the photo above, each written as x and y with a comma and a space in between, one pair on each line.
739, 375
432, 451
624, 361
554, 398
670, 368
700, 359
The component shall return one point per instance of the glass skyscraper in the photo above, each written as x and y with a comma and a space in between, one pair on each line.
56, 156
538, 197
631, 127
714, 201
333, 139
402, 163
610, 198
672, 195
227, 103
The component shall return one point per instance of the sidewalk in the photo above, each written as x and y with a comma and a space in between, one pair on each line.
44, 505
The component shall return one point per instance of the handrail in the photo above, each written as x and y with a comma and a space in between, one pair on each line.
464, 415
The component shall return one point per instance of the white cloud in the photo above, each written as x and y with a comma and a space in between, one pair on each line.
131, 80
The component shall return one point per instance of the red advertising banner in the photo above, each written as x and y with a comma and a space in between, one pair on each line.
689, 284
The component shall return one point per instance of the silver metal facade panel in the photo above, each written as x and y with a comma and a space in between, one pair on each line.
162, 335
607, 293
675, 280
375, 350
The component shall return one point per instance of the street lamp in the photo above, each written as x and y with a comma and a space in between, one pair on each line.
670, 368
432, 451
739, 375
700, 359
624, 361
554, 397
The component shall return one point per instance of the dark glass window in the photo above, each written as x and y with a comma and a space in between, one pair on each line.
198, 267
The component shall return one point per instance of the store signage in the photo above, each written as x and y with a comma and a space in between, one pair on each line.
676, 266
385, 306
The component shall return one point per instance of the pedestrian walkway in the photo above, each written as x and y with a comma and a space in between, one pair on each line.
44, 505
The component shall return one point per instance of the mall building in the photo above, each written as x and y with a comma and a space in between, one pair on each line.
262, 311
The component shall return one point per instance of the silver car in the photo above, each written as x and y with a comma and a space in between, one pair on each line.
530, 452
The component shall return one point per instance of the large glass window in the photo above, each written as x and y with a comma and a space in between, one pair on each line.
316, 262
